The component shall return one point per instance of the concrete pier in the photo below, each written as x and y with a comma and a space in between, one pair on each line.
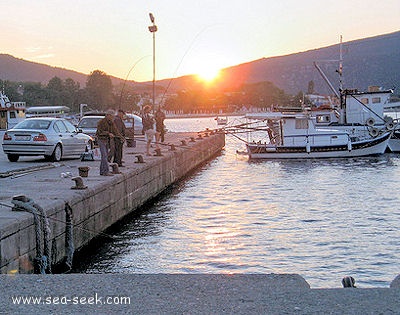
103, 201
186, 294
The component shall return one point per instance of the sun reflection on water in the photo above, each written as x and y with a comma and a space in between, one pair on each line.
321, 219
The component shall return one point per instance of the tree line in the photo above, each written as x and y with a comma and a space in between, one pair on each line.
100, 94
264, 95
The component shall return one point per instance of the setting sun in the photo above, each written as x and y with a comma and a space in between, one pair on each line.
208, 74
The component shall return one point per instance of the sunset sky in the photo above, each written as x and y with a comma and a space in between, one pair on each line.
193, 36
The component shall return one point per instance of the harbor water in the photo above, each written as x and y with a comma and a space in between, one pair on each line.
322, 219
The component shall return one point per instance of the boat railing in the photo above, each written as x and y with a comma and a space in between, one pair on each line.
19, 105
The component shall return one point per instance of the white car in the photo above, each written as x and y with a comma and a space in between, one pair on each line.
54, 138
88, 124
136, 121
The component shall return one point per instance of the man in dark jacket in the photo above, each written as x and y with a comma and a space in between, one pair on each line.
160, 128
119, 142
106, 132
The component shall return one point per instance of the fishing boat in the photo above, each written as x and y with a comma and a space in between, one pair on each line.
349, 124
295, 135
361, 114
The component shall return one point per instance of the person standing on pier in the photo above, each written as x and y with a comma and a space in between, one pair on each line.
106, 132
119, 142
148, 127
160, 128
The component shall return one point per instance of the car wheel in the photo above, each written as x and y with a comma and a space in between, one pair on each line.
13, 157
57, 153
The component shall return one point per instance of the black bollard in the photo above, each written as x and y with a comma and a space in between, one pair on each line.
348, 282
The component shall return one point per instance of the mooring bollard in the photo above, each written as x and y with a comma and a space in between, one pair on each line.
115, 168
20, 198
158, 152
348, 282
83, 171
78, 183
130, 143
139, 159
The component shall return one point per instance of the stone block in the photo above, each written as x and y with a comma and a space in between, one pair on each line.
9, 249
27, 240
11, 268
84, 232
26, 263
57, 223
58, 249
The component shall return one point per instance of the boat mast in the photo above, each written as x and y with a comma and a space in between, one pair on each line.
340, 64
342, 98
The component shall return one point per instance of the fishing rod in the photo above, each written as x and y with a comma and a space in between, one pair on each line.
123, 86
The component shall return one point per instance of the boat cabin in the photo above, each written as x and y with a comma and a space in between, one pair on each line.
299, 130
366, 107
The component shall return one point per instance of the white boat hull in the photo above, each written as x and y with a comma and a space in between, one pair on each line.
361, 148
394, 142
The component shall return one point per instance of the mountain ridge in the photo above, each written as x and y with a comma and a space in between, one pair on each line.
368, 61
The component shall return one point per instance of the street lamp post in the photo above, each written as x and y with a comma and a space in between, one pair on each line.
153, 30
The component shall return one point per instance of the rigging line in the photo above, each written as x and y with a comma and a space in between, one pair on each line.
237, 137
169, 144
261, 128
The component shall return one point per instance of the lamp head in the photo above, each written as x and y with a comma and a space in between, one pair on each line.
151, 17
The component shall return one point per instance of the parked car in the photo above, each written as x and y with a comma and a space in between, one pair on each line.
132, 119
55, 138
88, 124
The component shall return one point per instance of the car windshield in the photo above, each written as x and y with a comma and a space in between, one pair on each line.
88, 123
33, 124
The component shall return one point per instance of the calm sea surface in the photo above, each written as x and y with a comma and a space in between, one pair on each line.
322, 219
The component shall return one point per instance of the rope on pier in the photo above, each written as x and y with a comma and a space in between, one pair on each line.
69, 236
42, 262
